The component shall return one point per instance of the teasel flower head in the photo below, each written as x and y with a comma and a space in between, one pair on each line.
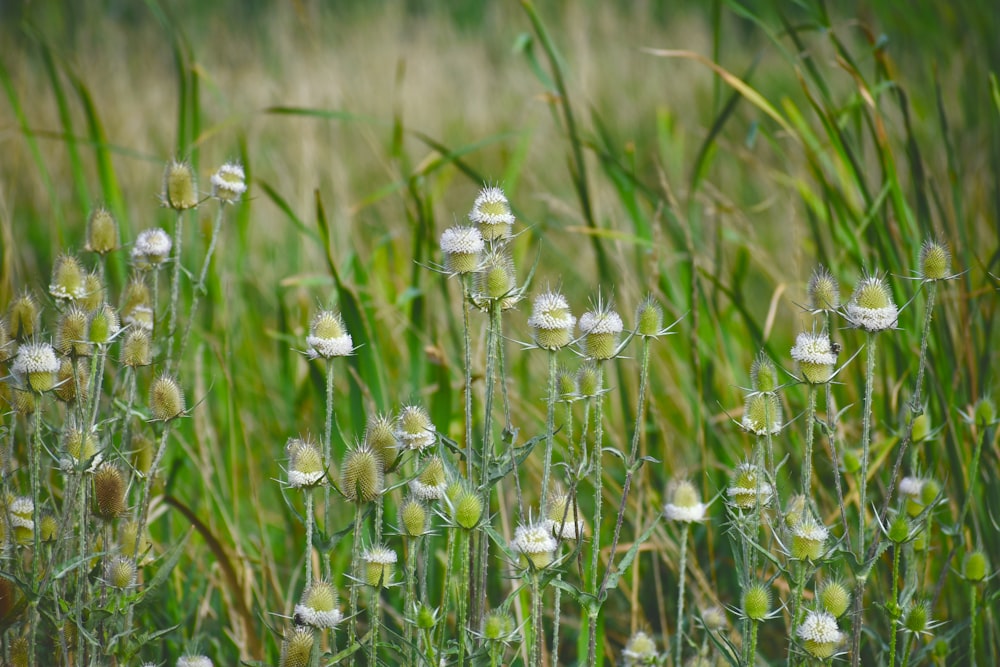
20, 514
19, 649
110, 489
66, 384
564, 517
823, 290
414, 430
23, 316
935, 261
535, 544
380, 561
808, 538
8, 346
151, 249
80, 447
166, 399
432, 481
835, 598
94, 293
180, 190
102, 231
749, 489
685, 503
127, 536
466, 508
361, 476
587, 381
137, 305
757, 602
120, 572
498, 626
871, 307
649, 318
551, 321
73, 333
328, 337
762, 414
305, 464
566, 385
36, 366
68, 279
136, 348
48, 527
491, 213
380, 435
462, 248
714, 619
764, 375
496, 281
601, 329
796, 508
815, 355
318, 606
413, 517
297, 647
640, 650
820, 634
104, 325
911, 491
229, 183
975, 566
194, 661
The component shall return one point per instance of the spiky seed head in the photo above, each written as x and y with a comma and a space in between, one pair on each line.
498, 626
588, 380
180, 191
491, 213
815, 356
985, 411
151, 249
426, 618
640, 650
379, 563
823, 290
110, 487
104, 325
835, 598
166, 399
20, 514
136, 348
975, 566
36, 365
94, 293
748, 489
380, 435
19, 649
820, 634
80, 445
361, 476
72, 333
565, 518
136, 308
127, 532
48, 527
871, 306
413, 517
467, 508
899, 529
935, 260
194, 661
685, 503
917, 618
66, 382
551, 321
22, 319
714, 619
414, 430
318, 606
328, 337
795, 510
462, 248
566, 385
757, 601
120, 572
764, 375
432, 481
535, 544
762, 414
649, 318
496, 280
305, 463
102, 231
601, 328
8, 347
808, 538
229, 183
23, 401
297, 646
68, 279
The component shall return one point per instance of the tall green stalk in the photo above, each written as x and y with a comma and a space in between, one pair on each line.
810, 432
598, 478
894, 608
200, 286
550, 427
175, 288
482, 547
327, 435
681, 576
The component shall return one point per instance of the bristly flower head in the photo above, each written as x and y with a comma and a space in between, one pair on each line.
491, 211
36, 365
815, 356
757, 602
466, 507
462, 248
72, 333
820, 634
229, 183
649, 318
413, 517
297, 647
685, 503
432, 481
808, 538
194, 661
151, 249
748, 489
551, 320
104, 325
23, 317
102, 231
414, 429
305, 463
166, 399
823, 290
380, 435
935, 261
180, 191
496, 281
640, 650
68, 279
835, 598
764, 374
361, 475
871, 307
601, 329
318, 606
762, 414
565, 517
327, 336
535, 544
120, 572
380, 562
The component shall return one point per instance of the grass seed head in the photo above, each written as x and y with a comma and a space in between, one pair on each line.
102, 231
180, 190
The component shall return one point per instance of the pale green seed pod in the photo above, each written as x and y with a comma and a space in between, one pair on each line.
565, 517
180, 191
414, 430
297, 647
380, 436
835, 598
110, 488
935, 261
757, 602
166, 400
413, 517
921, 428
748, 489
68, 279
73, 333
127, 536
361, 476
120, 572
102, 231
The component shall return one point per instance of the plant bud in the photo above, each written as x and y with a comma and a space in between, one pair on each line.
432, 481
467, 509
899, 530
496, 279
871, 307
151, 249
380, 436
104, 325
136, 348
413, 517
229, 183
327, 336
120, 572
67, 384
137, 305
974, 566
318, 606
23, 317
362, 477
48, 527
8, 347
835, 598
166, 400
414, 430
601, 329
297, 647
462, 248
808, 538
72, 333
764, 375
305, 464
497, 626
649, 318
640, 650
426, 618
935, 261
102, 231
180, 192
762, 414
379, 564
68, 279
824, 293
757, 602
94, 293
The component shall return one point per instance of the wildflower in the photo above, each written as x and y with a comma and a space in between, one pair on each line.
305, 464
917, 619
835, 598
414, 429
104, 325
564, 517
535, 544
466, 508
379, 564
462, 248
824, 293
120, 572
110, 487
871, 307
496, 281
714, 619
974, 566
551, 321
413, 517
81, 447
762, 414
747, 490
432, 481
229, 183
21, 513
757, 602
685, 504
566, 385
36, 364
935, 261
23, 317
601, 328
194, 661
7, 345
380, 436
318, 606
911, 490
166, 399
327, 336
136, 348
297, 646
180, 191
151, 249
94, 293
361, 476
820, 634
491, 212
588, 381
498, 626
72, 333
102, 231
808, 538
640, 650
815, 356
68, 279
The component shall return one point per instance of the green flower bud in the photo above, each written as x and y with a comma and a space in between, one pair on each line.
102, 231
835, 598
824, 293
68, 279
757, 602
935, 261
498, 626
649, 318
180, 192
23, 317
764, 375
467, 509
297, 647
380, 436
72, 333
120, 572
362, 477
413, 517
974, 566
588, 380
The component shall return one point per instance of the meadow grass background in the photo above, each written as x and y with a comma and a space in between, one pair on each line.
874, 127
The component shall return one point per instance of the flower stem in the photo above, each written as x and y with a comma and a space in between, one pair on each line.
310, 520
175, 288
463, 595
681, 576
866, 438
894, 606
550, 427
598, 498
200, 286
537, 636
973, 604
355, 560
467, 340
810, 431
327, 435
410, 603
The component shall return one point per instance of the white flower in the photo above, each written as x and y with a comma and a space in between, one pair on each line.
685, 504
35, 358
229, 183
462, 241
820, 634
871, 307
813, 348
327, 337
194, 661
414, 429
318, 619
151, 248
534, 539
911, 486
566, 529
380, 556
427, 491
491, 208
601, 322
